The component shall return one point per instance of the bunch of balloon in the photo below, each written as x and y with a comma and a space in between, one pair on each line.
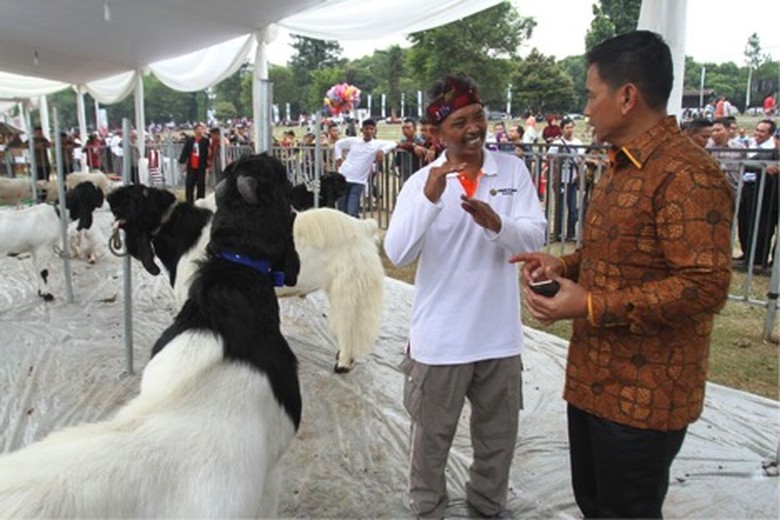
341, 98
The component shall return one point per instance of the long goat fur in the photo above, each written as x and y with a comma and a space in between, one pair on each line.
219, 401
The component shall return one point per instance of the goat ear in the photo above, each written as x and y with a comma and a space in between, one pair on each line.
147, 255
292, 264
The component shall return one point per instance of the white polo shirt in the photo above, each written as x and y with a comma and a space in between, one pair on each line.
467, 298
360, 159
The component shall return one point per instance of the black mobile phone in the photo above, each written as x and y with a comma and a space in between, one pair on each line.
546, 288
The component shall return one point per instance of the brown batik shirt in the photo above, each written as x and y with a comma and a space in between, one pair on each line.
655, 259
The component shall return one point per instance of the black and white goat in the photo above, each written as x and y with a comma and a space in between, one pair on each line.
36, 230
332, 186
86, 241
339, 255
219, 402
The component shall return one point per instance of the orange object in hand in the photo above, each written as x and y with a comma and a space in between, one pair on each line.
469, 186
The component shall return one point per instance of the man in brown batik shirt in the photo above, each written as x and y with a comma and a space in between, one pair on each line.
643, 288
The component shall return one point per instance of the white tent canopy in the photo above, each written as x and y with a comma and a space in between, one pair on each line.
189, 45
103, 46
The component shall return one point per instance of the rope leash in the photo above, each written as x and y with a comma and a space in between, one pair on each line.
115, 244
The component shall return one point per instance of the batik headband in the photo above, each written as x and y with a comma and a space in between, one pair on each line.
457, 94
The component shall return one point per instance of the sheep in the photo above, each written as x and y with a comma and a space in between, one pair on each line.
219, 402
339, 255
14, 191
99, 179
34, 230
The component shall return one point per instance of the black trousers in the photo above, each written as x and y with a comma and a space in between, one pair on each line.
195, 178
619, 471
767, 221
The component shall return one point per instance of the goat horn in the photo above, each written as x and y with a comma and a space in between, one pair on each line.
246, 187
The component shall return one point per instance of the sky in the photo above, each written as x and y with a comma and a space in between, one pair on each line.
717, 31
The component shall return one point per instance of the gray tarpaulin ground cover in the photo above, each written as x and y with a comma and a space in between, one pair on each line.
63, 364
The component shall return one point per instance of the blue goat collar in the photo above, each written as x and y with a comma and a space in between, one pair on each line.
261, 266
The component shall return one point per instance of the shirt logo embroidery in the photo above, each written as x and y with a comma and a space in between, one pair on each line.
502, 191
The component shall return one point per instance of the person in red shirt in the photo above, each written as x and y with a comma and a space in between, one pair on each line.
194, 158
769, 105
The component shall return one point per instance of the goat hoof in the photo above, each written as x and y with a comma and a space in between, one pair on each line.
47, 297
340, 369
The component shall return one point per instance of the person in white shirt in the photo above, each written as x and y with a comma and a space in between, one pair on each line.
364, 152
117, 151
461, 218
565, 171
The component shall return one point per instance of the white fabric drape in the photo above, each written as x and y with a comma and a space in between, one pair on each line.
204, 68
361, 20
18, 86
668, 18
112, 89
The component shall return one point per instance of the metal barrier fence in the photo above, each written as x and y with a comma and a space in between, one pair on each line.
564, 183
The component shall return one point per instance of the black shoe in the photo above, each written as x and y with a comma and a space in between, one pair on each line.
740, 258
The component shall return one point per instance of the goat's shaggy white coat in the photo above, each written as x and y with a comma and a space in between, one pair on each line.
339, 255
34, 230
196, 442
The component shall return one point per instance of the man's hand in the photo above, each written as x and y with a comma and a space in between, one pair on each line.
482, 213
538, 266
571, 300
437, 179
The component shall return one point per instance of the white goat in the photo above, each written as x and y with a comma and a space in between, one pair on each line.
33, 230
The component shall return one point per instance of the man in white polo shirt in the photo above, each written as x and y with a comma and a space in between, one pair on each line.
462, 217
363, 151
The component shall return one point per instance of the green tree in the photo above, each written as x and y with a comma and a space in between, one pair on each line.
610, 18
229, 90
285, 89
540, 86
480, 46
162, 104
576, 68
389, 67
754, 58
311, 55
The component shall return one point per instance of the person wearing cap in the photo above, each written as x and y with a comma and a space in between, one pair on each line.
643, 287
461, 217
364, 152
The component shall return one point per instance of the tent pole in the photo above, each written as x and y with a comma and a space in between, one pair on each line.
31, 146
128, 268
82, 116
668, 18
63, 212
140, 115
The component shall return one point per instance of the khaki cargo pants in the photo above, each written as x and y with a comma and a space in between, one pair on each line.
434, 396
